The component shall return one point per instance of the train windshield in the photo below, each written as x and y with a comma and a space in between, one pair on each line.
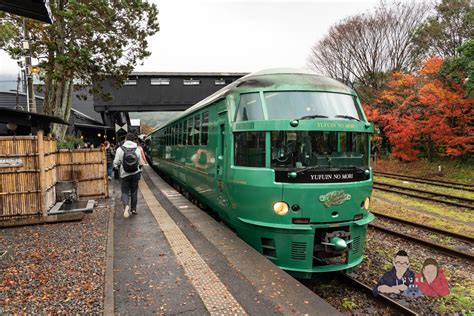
308, 104
302, 149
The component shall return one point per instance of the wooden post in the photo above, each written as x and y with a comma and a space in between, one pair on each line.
106, 179
42, 170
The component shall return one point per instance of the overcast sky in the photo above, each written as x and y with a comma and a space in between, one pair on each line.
238, 36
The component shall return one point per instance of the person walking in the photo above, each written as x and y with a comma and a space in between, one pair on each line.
128, 159
109, 152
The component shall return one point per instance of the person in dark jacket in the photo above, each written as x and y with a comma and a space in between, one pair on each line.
129, 178
397, 279
110, 154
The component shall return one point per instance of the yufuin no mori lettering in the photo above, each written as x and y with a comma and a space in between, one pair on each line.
332, 176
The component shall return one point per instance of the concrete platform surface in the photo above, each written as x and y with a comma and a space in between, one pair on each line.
173, 258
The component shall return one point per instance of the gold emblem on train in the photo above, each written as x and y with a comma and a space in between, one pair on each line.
334, 198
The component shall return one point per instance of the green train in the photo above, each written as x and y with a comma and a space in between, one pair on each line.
283, 157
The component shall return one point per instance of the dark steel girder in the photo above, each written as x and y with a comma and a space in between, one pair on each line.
33, 9
142, 108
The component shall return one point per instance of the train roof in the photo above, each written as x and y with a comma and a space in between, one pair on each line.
273, 78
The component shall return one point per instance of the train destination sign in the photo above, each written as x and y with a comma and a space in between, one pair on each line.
321, 176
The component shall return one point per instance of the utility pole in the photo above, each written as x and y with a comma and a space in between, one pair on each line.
30, 93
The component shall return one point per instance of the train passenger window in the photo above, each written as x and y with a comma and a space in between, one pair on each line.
196, 129
168, 130
172, 135
250, 108
185, 132
205, 123
190, 131
249, 149
180, 134
176, 134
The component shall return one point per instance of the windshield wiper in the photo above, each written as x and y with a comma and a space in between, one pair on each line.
348, 117
309, 168
358, 168
308, 117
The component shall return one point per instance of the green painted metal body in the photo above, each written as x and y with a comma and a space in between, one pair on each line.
244, 196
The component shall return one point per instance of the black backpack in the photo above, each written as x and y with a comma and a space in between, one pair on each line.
130, 159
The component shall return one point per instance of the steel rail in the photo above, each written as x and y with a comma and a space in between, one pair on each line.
445, 250
381, 297
438, 184
430, 228
448, 184
449, 196
378, 187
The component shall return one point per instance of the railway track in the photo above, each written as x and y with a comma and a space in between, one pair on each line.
446, 184
398, 307
427, 195
426, 227
446, 250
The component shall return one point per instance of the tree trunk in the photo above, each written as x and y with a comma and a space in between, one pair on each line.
62, 105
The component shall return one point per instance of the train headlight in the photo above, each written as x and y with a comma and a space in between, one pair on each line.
280, 208
367, 203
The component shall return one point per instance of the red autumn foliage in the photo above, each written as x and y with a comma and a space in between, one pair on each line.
421, 113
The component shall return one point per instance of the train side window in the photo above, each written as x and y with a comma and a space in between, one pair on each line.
176, 134
196, 129
180, 133
166, 136
170, 141
250, 108
185, 132
169, 136
205, 124
249, 149
172, 135
190, 131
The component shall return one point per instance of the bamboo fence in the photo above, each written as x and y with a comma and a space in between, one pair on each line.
28, 186
86, 166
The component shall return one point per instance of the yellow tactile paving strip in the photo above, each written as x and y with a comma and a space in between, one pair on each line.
217, 299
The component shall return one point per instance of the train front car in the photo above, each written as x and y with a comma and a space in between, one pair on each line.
298, 188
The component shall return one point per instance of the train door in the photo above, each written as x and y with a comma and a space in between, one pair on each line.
220, 153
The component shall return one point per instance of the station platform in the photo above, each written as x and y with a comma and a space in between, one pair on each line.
173, 258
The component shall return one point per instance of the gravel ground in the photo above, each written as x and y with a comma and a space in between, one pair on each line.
345, 297
55, 268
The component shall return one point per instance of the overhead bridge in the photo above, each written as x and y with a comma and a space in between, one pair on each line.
158, 91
